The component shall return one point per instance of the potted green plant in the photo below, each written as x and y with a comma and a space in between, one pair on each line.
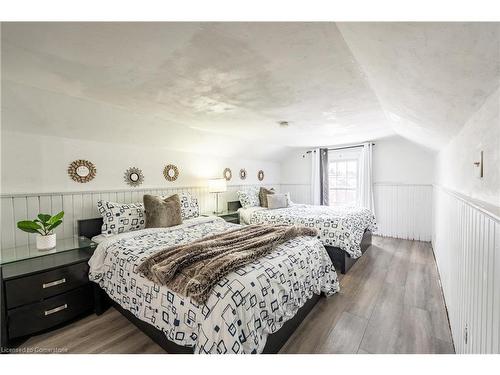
43, 226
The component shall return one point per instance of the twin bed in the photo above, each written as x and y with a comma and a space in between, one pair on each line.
253, 309
245, 307
344, 231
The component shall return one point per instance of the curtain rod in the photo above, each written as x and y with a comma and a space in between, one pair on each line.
340, 148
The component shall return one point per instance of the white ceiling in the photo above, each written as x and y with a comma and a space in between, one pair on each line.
429, 77
222, 87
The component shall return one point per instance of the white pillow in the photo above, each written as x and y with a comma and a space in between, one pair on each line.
249, 197
189, 205
277, 201
121, 217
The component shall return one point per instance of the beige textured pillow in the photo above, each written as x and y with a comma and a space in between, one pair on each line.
275, 201
162, 212
263, 192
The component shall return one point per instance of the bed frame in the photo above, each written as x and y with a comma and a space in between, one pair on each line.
340, 259
92, 227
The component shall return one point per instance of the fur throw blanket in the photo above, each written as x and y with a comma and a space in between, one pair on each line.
193, 269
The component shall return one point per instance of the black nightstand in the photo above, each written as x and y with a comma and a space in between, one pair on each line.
229, 216
40, 290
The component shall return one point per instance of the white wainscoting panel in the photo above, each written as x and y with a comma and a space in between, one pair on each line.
466, 242
403, 210
82, 205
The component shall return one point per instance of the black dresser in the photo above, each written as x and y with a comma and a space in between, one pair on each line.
41, 290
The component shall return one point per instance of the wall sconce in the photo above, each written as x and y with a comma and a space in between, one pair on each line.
479, 164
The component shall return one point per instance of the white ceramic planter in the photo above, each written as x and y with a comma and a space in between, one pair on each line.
45, 242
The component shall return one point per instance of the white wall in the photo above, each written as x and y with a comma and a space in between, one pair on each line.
35, 179
455, 169
397, 160
37, 164
296, 167
403, 175
466, 231
466, 243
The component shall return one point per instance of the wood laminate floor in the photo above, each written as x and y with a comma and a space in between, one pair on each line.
390, 302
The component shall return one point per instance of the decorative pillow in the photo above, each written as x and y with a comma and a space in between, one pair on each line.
277, 201
121, 217
162, 212
263, 192
189, 205
249, 197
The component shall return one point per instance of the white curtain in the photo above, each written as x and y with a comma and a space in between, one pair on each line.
315, 177
365, 198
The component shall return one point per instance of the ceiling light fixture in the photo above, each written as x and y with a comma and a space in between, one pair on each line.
283, 124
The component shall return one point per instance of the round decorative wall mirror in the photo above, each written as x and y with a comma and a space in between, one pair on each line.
171, 172
82, 171
243, 173
133, 176
228, 174
260, 175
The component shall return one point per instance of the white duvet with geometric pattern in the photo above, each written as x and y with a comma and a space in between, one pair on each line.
244, 308
341, 227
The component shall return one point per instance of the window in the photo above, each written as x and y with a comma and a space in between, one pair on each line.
343, 182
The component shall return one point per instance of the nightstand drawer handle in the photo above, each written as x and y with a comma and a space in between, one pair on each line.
54, 283
56, 309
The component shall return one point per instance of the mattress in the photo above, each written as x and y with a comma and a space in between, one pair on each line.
245, 306
341, 227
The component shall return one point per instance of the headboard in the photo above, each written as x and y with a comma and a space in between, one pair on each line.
92, 227
89, 227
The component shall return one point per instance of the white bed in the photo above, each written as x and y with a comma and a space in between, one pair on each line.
341, 227
244, 308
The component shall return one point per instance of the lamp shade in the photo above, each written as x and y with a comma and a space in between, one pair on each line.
217, 185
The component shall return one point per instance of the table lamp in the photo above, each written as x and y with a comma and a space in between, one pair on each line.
217, 185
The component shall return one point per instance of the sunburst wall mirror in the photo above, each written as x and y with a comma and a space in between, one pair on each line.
227, 174
133, 176
82, 171
243, 173
260, 175
171, 172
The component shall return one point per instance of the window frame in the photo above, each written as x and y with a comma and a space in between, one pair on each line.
346, 188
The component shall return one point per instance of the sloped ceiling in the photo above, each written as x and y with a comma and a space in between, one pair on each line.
222, 87
429, 77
